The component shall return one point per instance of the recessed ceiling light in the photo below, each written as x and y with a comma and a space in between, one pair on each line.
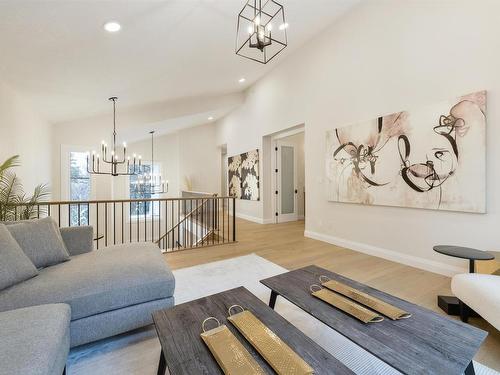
112, 26
210, 118
241, 80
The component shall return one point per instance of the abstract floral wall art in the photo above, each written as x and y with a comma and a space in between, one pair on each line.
243, 175
430, 158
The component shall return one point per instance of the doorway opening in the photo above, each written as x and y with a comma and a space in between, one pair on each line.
289, 175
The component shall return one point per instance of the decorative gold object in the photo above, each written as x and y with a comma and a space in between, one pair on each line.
229, 353
346, 305
376, 304
278, 354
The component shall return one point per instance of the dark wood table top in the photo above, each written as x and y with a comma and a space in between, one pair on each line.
463, 252
426, 343
179, 331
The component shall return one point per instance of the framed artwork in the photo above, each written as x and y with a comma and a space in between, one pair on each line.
243, 176
433, 158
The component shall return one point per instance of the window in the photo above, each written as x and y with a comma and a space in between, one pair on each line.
79, 188
142, 209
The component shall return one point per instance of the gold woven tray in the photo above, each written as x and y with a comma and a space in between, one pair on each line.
278, 354
346, 305
229, 353
376, 304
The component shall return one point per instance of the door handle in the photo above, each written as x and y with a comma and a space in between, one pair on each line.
296, 191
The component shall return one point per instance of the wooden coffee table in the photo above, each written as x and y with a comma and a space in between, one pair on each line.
184, 352
426, 343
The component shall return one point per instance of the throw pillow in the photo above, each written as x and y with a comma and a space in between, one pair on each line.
15, 266
41, 241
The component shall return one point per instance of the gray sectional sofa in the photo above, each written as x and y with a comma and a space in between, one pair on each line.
104, 292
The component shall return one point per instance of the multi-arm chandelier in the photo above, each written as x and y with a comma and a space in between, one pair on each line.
148, 181
109, 163
261, 32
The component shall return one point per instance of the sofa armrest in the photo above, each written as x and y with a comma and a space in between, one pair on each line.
78, 240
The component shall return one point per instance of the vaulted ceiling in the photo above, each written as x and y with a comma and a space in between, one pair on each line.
57, 54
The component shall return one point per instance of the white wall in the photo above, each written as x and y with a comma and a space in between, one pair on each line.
199, 158
382, 57
23, 132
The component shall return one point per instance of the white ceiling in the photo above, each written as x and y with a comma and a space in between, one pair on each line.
57, 53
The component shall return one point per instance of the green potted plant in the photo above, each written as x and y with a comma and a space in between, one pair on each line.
15, 204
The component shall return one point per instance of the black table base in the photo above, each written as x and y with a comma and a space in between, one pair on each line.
449, 304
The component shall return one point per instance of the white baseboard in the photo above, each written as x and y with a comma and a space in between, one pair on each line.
409, 260
254, 219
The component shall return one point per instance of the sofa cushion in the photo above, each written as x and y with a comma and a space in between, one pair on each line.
15, 266
98, 281
41, 241
34, 340
78, 240
481, 293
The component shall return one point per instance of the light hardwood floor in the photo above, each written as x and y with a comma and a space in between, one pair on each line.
286, 245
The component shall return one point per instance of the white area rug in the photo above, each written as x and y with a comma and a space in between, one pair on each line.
138, 353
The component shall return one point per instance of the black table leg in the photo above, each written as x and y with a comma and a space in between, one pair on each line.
470, 369
464, 312
272, 299
472, 269
162, 366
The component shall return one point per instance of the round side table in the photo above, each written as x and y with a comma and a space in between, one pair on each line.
450, 304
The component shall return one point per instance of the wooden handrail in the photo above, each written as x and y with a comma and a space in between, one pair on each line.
54, 203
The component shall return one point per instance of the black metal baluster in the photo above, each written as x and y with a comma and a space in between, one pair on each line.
97, 229
145, 222
234, 219
191, 212
105, 224
202, 222
114, 223
165, 238
79, 218
223, 220
172, 245
179, 223
122, 223
137, 219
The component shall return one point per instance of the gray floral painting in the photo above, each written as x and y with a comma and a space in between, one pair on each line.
243, 175
430, 158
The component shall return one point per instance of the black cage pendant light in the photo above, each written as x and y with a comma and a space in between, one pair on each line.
261, 31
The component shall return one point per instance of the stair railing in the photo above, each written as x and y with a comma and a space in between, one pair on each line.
172, 223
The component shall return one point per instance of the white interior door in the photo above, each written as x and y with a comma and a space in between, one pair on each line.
286, 182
